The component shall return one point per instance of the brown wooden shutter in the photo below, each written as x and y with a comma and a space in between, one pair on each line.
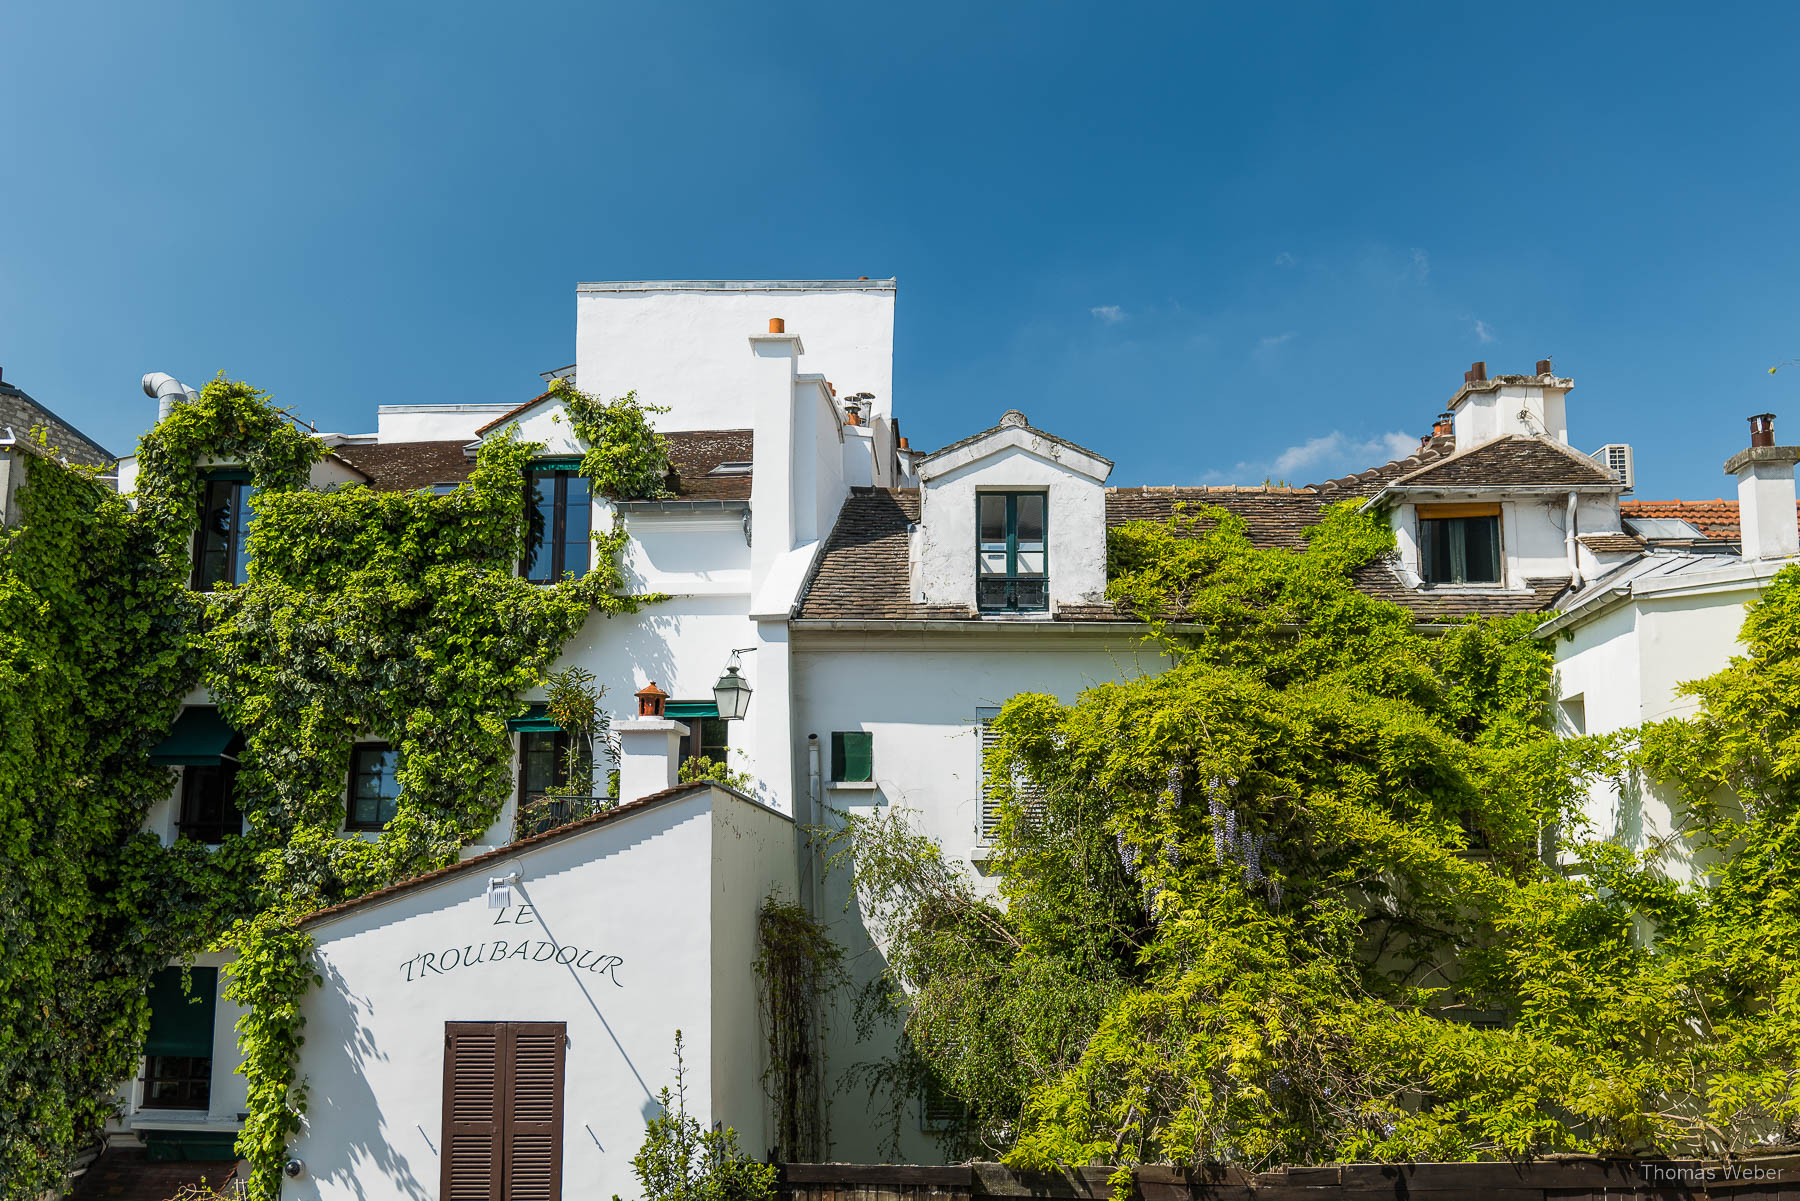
474, 1111
535, 1112
503, 1111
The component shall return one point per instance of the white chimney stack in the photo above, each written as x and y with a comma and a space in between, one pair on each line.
649, 748
1767, 526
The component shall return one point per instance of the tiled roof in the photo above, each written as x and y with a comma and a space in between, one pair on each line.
1368, 483
863, 573
1013, 419
1714, 518
511, 413
403, 466
523, 844
22, 414
694, 453
1510, 462
1606, 544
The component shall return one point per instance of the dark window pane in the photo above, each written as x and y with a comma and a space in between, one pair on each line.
217, 514
577, 515
208, 803
243, 514
540, 534
993, 518
374, 786
177, 1081
1481, 539
1031, 517
540, 759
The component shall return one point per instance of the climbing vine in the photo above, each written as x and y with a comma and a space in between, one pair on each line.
380, 616
625, 456
800, 967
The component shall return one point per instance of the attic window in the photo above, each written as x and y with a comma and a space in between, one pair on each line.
1459, 544
1011, 563
732, 468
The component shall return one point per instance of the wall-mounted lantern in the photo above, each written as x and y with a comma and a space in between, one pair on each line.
732, 692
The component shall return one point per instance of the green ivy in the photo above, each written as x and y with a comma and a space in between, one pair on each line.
625, 458
391, 616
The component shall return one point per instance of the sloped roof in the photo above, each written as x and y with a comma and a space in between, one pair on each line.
694, 453
403, 466
1012, 419
1714, 518
1513, 461
22, 414
864, 572
1609, 544
1368, 483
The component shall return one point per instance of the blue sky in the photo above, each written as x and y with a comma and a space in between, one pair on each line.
1215, 243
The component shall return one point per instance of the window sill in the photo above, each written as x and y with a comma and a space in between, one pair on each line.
851, 785
180, 1119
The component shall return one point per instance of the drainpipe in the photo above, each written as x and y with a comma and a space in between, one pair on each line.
809, 878
1569, 545
168, 392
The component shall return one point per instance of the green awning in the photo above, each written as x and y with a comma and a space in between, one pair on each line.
557, 463
536, 720
680, 709
199, 738
182, 1023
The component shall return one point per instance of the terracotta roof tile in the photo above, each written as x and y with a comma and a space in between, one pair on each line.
1368, 483
1714, 518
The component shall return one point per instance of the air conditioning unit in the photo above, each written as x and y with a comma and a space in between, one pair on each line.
1616, 458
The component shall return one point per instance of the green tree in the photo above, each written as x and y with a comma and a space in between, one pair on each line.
1289, 900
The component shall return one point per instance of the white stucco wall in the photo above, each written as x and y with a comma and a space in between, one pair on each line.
943, 550
1488, 414
918, 693
435, 422
643, 888
683, 344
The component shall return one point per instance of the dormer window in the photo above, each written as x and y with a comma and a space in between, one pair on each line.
225, 517
562, 510
1459, 544
1012, 573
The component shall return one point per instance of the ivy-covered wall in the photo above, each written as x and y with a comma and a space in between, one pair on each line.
393, 616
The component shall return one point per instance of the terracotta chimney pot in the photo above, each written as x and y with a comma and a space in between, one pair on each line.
777, 325
1762, 429
651, 700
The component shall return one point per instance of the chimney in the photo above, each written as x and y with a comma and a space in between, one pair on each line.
1543, 367
649, 747
777, 325
1765, 475
1444, 426
1478, 373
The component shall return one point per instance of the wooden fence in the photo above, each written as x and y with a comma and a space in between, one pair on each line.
1560, 1179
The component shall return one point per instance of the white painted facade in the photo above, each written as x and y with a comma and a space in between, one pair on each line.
670, 889
626, 929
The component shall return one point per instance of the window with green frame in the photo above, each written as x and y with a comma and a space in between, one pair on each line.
221, 546
1012, 559
178, 1049
852, 756
708, 733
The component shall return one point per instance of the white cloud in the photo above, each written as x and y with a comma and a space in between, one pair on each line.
1421, 264
1482, 332
1273, 340
1110, 314
1323, 457
1284, 259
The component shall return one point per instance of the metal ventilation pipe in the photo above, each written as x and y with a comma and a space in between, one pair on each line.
168, 392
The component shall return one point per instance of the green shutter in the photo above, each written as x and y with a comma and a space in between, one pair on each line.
182, 1023
852, 756
199, 739
536, 720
